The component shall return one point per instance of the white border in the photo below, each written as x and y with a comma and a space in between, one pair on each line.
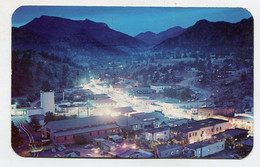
9, 158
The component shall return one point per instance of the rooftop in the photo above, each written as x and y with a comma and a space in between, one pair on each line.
123, 109
85, 130
155, 130
156, 115
204, 143
197, 125
167, 146
79, 122
98, 101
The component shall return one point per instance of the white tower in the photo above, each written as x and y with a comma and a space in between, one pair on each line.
47, 101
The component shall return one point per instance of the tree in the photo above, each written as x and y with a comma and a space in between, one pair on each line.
35, 123
46, 86
49, 116
16, 138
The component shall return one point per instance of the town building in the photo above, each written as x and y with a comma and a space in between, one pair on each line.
103, 103
128, 123
158, 134
168, 151
66, 131
160, 87
105, 145
198, 130
47, 101
130, 151
68, 110
204, 148
116, 138
154, 119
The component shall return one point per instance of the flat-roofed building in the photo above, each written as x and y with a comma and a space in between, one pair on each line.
160, 87
103, 103
66, 131
168, 151
199, 130
158, 134
205, 148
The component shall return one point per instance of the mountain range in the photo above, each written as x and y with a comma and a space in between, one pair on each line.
88, 38
65, 36
153, 39
212, 34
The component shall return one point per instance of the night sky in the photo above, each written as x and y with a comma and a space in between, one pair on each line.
132, 20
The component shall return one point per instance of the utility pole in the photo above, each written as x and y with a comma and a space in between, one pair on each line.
201, 140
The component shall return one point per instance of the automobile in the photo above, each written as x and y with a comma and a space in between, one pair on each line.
88, 146
60, 148
237, 156
53, 150
63, 147
103, 152
57, 155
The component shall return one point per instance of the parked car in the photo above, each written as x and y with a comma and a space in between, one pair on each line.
60, 148
57, 155
237, 156
63, 147
88, 146
53, 150
103, 153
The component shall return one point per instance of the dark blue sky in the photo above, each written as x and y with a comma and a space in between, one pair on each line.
132, 20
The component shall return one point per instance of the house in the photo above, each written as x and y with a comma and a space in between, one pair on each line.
136, 153
116, 138
178, 122
204, 148
199, 130
80, 109
160, 87
140, 91
127, 122
158, 134
168, 151
232, 137
243, 121
105, 145
154, 119
66, 131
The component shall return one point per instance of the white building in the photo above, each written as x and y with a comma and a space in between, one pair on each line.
47, 101
34, 111
159, 87
205, 148
158, 134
